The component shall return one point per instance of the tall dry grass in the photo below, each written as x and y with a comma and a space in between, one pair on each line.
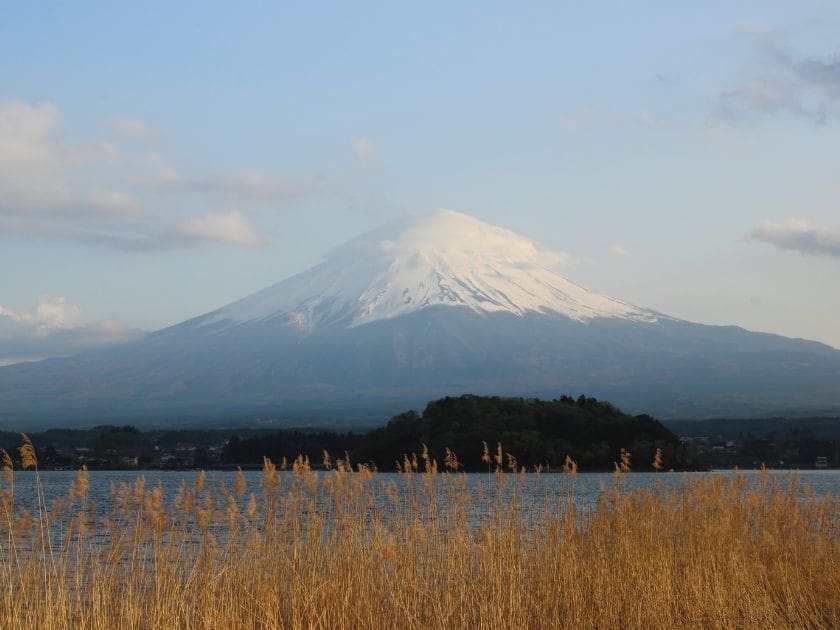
345, 549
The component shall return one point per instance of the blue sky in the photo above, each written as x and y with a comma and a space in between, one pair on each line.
159, 161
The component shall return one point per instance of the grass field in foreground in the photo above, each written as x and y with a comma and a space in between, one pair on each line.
344, 549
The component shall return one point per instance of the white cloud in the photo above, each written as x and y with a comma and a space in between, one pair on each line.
54, 313
116, 202
364, 148
552, 260
800, 235
50, 314
38, 172
24, 134
618, 250
29, 160
97, 193
54, 327
131, 127
224, 227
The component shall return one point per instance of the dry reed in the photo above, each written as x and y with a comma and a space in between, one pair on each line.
345, 548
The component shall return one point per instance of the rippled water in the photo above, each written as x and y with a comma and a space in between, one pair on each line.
583, 488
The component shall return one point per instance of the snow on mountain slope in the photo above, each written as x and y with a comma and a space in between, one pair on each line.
446, 258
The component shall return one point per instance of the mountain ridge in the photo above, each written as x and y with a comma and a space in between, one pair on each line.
322, 341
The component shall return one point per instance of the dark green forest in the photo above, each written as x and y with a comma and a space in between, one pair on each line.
535, 432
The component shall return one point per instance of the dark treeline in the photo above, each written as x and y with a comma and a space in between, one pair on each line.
820, 428
118, 447
535, 432
777, 442
288, 445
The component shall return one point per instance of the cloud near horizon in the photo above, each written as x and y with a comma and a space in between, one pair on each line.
799, 235
50, 314
46, 190
54, 327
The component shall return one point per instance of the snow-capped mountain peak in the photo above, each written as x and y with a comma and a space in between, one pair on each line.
446, 258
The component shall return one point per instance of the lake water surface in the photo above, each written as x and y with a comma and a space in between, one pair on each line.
583, 488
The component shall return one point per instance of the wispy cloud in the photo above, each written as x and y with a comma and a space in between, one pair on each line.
618, 250
98, 193
54, 327
234, 188
131, 127
805, 86
225, 227
800, 235
552, 260
364, 148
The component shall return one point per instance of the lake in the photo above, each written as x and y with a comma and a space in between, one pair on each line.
582, 488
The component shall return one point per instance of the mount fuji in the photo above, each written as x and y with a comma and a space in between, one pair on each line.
444, 259
421, 308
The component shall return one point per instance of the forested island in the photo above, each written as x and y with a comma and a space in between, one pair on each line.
535, 433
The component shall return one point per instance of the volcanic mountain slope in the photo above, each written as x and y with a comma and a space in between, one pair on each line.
421, 308
446, 259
